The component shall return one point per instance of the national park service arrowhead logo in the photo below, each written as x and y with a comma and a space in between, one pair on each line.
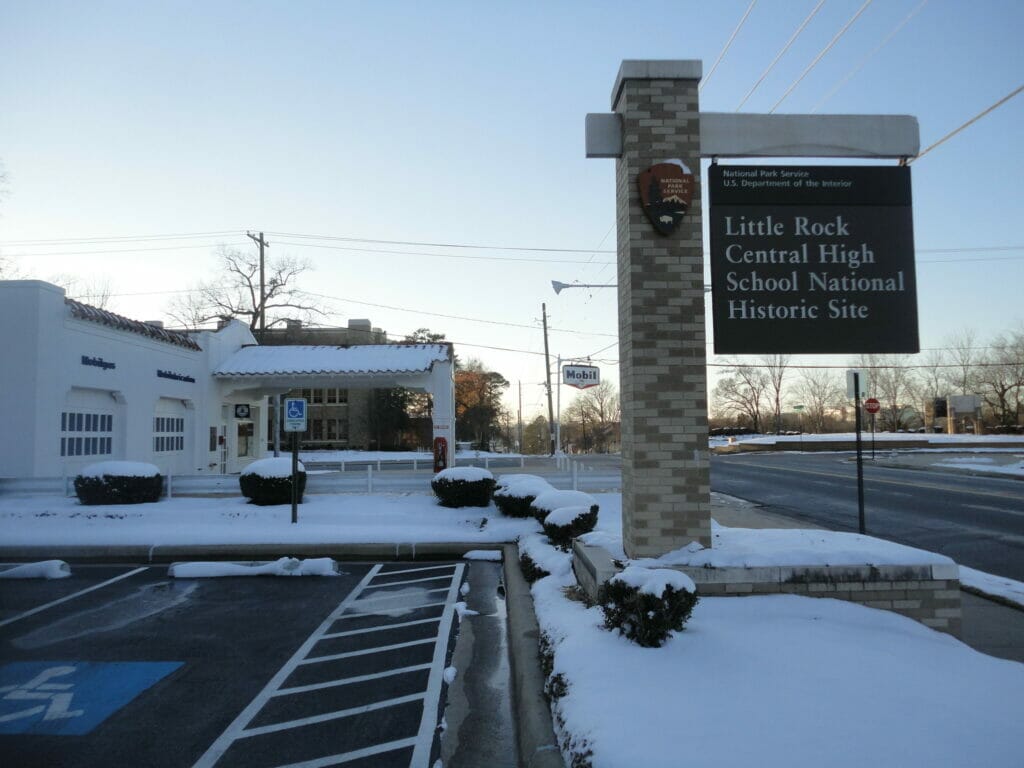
666, 190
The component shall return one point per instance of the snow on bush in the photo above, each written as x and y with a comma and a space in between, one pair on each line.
537, 558
549, 501
463, 487
269, 481
514, 498
646, 605
119, 482
564, 524
280, 466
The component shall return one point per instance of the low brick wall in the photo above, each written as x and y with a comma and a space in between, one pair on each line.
929, 594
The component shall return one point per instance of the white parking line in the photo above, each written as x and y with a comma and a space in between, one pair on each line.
328, 716
365, 651
381, 628
350, 680
347, 757
220, 746
377, 615
416, 570
37, 609
410, 581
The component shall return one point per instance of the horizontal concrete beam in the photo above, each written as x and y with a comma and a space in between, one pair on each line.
727, 134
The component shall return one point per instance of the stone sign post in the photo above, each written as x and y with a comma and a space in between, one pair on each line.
658, 136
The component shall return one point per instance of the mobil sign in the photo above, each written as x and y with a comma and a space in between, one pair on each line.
581, 376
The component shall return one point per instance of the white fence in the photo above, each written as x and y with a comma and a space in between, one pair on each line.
578, 473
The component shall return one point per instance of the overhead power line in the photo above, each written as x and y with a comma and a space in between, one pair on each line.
441, 255
437, 245
821, 55
124, 238
728, 43
864, 61
781, 53
973, 120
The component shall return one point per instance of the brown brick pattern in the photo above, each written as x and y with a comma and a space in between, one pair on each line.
665, 475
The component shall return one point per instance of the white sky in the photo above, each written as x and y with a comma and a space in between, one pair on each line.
462, 124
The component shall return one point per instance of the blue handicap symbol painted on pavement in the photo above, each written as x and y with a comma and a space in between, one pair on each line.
296, 409
70, 698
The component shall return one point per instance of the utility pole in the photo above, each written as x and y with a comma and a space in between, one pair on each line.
520, 415
263, 282
547, 372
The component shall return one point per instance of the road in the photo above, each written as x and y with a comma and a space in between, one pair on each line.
977, 521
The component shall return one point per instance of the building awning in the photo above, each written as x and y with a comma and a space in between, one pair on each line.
303, 362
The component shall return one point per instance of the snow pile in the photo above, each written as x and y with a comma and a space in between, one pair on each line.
120, 469
986, 583
47, 569
280, 466
466, 474
654, 581
565, 515
552, 500
493, 555
506, 481
526, 485
985, 465
285, 566
537, 547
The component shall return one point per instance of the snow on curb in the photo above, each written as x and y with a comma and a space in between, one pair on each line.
492, 555
47, 569
989, 585
285, 566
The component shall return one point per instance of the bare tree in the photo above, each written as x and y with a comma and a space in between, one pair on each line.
742, 393
94, 291
236, 294
1000, 379
892, 382
775, 369
820, 391
965, 356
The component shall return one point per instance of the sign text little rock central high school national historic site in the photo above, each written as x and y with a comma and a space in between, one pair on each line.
812, 259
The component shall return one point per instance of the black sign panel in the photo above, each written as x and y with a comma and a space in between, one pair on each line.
812, 259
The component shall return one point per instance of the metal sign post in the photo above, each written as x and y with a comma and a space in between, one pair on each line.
862, 527
295, 421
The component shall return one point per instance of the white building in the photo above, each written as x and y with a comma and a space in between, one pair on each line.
80, 385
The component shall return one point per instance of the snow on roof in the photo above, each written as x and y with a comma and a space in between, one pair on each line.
82, 311
366, 358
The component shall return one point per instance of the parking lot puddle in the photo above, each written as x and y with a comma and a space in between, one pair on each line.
398, 602
148, 600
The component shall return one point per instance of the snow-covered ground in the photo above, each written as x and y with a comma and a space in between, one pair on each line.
767, 681
982, 464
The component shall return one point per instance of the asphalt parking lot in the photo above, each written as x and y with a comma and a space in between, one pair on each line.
124, 665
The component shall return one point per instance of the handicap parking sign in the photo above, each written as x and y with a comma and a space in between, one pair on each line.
70, 698
294, 414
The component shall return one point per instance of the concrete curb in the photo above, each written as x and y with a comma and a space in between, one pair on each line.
535, 734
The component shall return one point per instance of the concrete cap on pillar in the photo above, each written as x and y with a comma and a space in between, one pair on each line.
660, 69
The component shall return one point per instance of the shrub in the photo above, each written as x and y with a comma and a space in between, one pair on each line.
514, 498
531, 571
269, 481
463, 487
119, 482
645, 605
549, 501
566, 523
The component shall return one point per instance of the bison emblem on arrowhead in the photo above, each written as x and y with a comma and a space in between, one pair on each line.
666, 191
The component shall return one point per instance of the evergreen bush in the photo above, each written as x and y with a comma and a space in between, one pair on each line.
531, 571
119, 482
646, 605
514, 497
269, 481
463, 487
546, 503
566, 523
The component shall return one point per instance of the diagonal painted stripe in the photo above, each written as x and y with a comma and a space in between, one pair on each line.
377, 615
366, 651
380, 628
328, 716
380, 596
347, 757
94, 587
432, 699
349, 680
411, 581
233, 731
418, 570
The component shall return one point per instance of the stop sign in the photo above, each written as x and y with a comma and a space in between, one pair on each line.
871, 405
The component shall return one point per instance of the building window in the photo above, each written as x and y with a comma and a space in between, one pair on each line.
168, 434
332, 396
318, 396
213, 439
86, 434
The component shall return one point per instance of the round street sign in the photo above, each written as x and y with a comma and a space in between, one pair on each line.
871, 405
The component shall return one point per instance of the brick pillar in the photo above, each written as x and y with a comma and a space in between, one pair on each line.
665, 471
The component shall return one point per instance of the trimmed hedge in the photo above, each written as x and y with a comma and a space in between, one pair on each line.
565, 524
647, 613
531, 571
549, 501
457, 487
118, 489
267, 491
513, 499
